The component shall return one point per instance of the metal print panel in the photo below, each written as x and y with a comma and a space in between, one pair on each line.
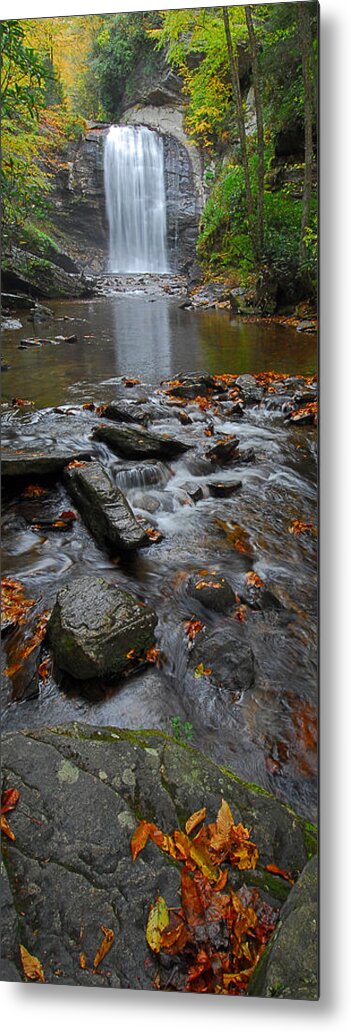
159, 467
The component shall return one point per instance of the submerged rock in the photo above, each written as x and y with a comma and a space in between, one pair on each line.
213, 592
221, 668
224, 489
87, 787
29, 463
93, 627
104, 508
134, 444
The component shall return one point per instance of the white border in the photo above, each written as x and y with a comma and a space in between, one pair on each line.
43, 1007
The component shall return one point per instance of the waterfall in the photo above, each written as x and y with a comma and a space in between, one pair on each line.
135, 200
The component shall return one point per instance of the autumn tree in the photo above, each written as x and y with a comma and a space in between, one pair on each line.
304, 25
256, 78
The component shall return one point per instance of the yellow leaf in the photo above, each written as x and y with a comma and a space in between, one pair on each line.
107, 942
31, 966
157, 921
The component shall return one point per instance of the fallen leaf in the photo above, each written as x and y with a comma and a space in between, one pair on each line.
107, 942
5, 828
153, 655
158, 920
9, 799
34, 491
19, 402
75, 463
154, 535
31, 966
253, 580
273, 869
202, 671
89, 406
192, 628
82, 961
139, 838
297, 527
14, 606
44, 669
195, 819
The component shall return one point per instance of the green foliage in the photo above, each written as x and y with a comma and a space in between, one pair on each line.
119, 47
182, 732
224, 243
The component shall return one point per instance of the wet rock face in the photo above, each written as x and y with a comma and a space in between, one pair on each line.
87, 787
213, 593
220, 670
133, 444
94, 625
104, 508
31, 463
289, 966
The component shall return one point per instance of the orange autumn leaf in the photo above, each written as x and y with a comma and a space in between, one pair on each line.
192, 628
139, 838
44, 669
75, 463
153, 655
9, 799
82, 961
298, 527
240, 613
154, 535
107, 942
273, 869
208, 584
14, 606
253, 580
195, 819
33, 643
34, 491
5, 828
31, 966
130, 654
19, 402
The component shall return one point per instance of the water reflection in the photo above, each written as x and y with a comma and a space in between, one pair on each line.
141, 336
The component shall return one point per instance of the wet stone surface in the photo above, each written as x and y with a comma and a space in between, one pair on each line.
69, 870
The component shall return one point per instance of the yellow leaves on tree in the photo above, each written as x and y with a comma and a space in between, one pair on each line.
218, 936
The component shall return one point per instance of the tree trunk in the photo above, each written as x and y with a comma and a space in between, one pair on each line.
234, 75
306, 52
260, 134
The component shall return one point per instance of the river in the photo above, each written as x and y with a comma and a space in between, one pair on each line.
270, 735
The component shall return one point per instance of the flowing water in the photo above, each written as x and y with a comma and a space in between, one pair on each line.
270, 735
135, 200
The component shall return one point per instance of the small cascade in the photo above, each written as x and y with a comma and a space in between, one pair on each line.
135, 200
142, 476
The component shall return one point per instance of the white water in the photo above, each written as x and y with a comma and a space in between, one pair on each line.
135, 200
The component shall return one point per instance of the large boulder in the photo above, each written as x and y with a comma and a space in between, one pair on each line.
135, 444
23, 270
86, 788
289, 966
104, 508
95, 625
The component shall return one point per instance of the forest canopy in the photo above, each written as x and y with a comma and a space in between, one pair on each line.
249, 85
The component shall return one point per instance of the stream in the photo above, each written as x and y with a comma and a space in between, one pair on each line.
269, 736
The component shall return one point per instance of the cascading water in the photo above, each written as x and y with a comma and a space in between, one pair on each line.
135, 200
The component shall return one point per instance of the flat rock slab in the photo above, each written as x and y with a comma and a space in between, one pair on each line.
289, 966
93, 627
126, 412
37, 463
69, 870
135, 444
104, 508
